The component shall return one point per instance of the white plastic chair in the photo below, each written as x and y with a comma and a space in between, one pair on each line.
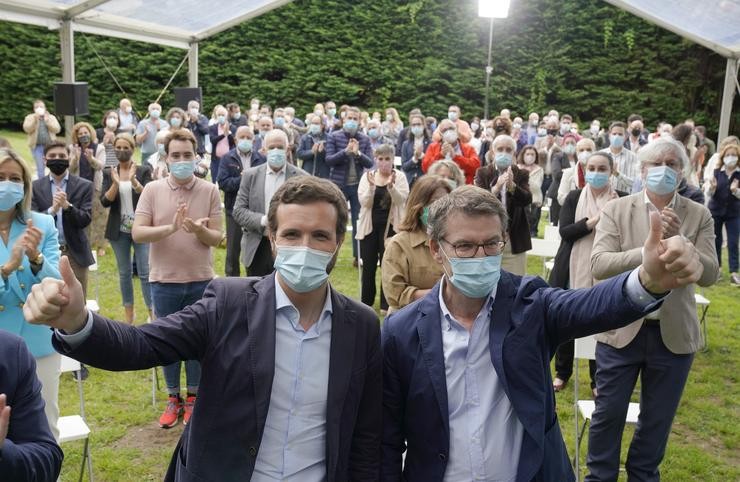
585, 349
92, 304
702, 304
74, 427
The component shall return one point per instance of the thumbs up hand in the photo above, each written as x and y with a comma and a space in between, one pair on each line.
667, 263
57, 303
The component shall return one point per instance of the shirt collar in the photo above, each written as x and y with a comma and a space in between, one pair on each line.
64, 179
447, 318
282, 302
270, 171
671, 204
172, 182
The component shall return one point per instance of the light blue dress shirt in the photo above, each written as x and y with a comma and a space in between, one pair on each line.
293, 446
58, 216
485, 434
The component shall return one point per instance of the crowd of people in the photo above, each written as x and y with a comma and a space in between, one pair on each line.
447, 210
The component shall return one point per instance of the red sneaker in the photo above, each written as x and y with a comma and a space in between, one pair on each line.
189, 404
172, 412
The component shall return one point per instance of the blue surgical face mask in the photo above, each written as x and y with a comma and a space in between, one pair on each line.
276, 158
154, 114
417, 131
350, 125
424, 218
452, 115
221, 119
280, 121
245, 145
11, 193
314, 129
616, 140
332, 112
474, 277
182, 170
569, 149
303, 269
160, 149
597, 179
661, 180
175, 122
373, 133
503, 160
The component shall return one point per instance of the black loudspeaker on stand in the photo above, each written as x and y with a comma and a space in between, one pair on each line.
183, 95
71, 98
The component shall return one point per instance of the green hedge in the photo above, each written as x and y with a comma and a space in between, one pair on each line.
583, 57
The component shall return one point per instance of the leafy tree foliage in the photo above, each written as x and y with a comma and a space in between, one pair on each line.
584, 57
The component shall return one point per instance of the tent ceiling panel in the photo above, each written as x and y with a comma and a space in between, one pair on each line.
167, 22
714, 24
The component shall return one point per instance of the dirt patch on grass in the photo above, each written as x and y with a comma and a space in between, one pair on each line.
149, 438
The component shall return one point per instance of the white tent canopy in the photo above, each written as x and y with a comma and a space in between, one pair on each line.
715, 24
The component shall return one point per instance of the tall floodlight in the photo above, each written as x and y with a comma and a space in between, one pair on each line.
491, 9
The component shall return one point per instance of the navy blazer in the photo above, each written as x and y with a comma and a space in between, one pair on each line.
410, 168
75, 219
231, 331
29, 452
230, 175
314, 164
528, 322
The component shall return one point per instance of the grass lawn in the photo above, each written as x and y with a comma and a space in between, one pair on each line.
127, 444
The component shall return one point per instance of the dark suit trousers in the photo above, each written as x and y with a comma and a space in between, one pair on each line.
372, 248
263, 262
663, 375
233, 246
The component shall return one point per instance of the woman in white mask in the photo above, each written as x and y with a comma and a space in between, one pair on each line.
579, 215
723, 190
528, 160
574, 176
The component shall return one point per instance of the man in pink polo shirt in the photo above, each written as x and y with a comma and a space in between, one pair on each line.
180, 216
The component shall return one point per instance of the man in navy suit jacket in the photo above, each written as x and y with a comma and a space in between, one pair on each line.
291, 380
28, 451
467, 391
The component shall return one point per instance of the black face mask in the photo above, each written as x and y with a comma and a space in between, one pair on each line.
124, 156
57, 166
552, 132
499, 128
636, 132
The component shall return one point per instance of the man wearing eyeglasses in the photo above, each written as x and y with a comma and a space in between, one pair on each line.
467, 392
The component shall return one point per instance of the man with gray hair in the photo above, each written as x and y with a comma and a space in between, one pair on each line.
660, 347
467, 391
511, 186
258, 185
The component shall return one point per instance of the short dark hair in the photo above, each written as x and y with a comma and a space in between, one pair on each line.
232, 106
54, 144
634, 117
617, 124
179, 135
305, 190
566, 117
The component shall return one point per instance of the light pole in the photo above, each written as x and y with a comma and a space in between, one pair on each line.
491, 9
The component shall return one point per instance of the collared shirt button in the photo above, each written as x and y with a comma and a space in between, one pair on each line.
23, 286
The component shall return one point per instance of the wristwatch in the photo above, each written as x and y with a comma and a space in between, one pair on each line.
38, 260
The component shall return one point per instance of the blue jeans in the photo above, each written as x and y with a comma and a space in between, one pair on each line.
170, 298
350, 192
38, 156
122, 250
733, 233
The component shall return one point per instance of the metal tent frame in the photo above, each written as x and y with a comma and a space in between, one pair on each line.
184, 23
174, 23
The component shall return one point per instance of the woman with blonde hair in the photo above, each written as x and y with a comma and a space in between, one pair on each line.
392, 125
87, 161
32, 254
450, 171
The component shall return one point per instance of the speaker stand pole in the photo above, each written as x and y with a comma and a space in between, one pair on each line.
67, 41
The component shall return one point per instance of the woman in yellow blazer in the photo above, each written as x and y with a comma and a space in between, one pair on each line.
29, 252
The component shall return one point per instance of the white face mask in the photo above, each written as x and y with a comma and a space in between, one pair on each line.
40, 111
583, 157
450, 136
111, 122
730, 161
